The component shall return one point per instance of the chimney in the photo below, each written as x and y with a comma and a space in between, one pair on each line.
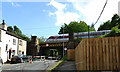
3, 25
3, 22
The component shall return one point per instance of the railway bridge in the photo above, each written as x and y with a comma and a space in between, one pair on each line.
56, 48
53, 48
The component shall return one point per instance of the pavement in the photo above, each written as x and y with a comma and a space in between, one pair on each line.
36, 66
67, 66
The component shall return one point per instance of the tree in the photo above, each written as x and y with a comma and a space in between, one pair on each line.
65, 29
25, 37
10, 29
17, 30
106, 26
114, 32
115, 20
42, 39
92, 26
75, 27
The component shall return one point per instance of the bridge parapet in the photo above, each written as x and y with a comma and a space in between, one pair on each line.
53, 44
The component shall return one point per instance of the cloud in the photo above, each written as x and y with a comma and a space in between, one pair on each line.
89, 10
78, 1
62, 16
15, 4
50, 13
57, 5
92, 9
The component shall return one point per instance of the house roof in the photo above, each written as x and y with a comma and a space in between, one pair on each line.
12, 34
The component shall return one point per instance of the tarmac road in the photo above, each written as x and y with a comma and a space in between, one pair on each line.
36, 66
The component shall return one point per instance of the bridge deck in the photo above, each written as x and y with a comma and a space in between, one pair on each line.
53, 44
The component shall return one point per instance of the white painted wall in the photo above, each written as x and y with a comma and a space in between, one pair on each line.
12, 46
3, 46
23, 47
7, 39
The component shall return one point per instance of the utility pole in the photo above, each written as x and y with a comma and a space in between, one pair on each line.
63, 40
88, 31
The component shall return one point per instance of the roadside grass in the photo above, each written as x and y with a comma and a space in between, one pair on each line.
58, 64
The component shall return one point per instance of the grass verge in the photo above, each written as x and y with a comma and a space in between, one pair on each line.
60, 62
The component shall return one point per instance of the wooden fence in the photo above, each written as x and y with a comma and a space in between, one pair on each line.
71, 54
98, 54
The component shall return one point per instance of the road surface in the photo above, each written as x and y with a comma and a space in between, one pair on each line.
36, 66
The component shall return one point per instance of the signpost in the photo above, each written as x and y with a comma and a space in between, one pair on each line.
65, 51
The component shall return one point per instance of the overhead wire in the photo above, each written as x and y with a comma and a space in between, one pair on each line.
40, 28
101, 12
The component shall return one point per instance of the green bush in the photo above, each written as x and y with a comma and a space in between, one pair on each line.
64, 58
114, 32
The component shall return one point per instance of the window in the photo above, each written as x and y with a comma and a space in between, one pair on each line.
14, 41
20, 42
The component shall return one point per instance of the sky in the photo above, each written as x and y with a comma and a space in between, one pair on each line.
45, 17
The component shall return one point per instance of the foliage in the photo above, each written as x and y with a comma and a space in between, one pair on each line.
25, 37
92, 26
75, 27
79, 39
56, 65
103, 35
42, 39
58, 51
10, 29
47, 51
65, 29
109, 24
18, 32
114, 32
113, 25
64, 58
105, 26
114, 20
